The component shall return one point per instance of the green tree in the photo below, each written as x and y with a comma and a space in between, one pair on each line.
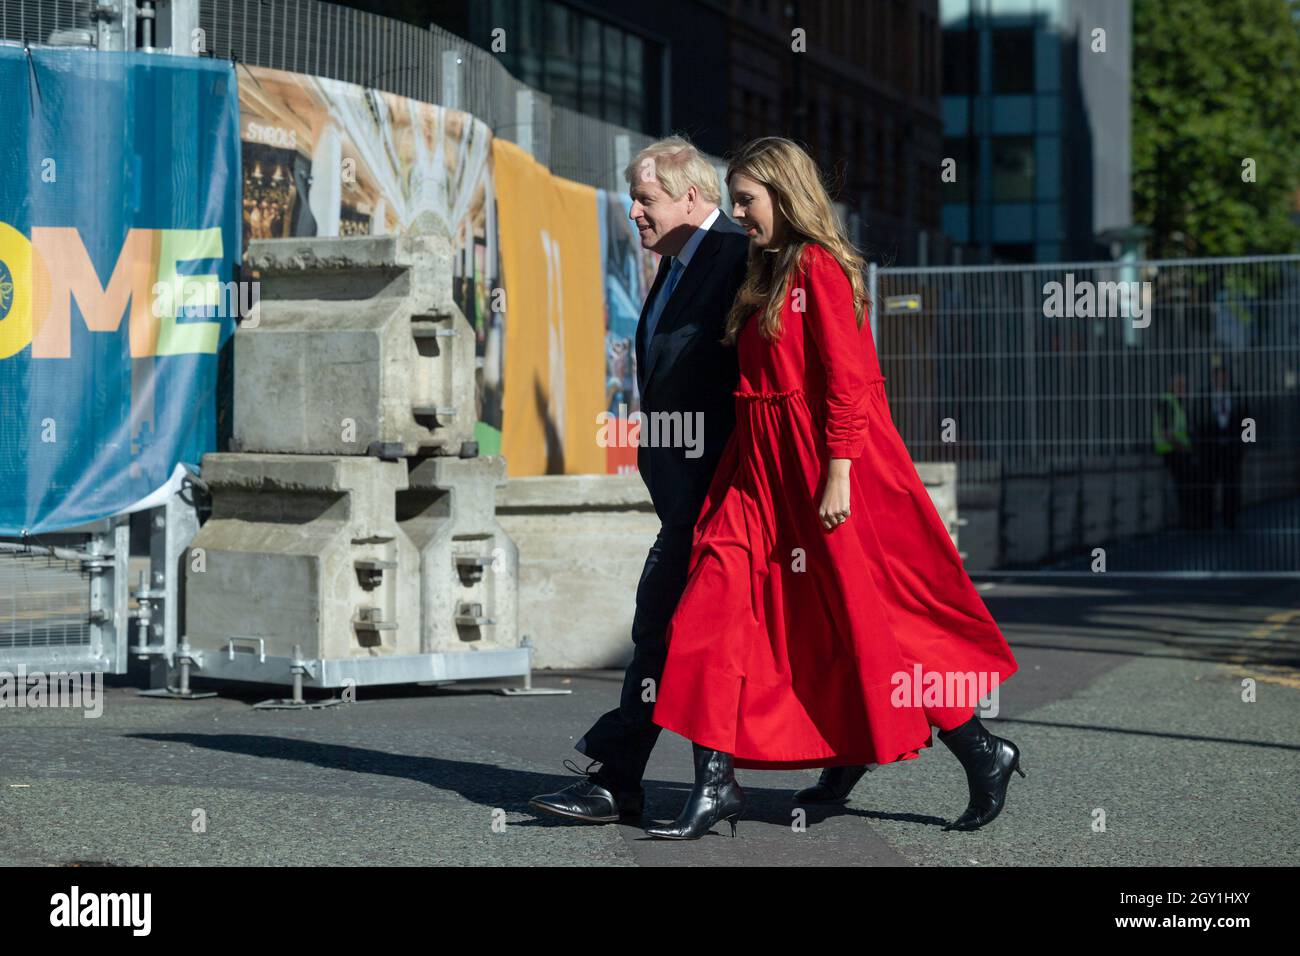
1215, 83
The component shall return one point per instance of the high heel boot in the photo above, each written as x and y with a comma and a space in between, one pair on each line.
989, 762
834, 785
716, 796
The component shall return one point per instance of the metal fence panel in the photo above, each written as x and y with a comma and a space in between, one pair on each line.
32, 21
1046, 399
44, 602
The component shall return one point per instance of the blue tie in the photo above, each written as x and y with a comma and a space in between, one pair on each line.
670, 283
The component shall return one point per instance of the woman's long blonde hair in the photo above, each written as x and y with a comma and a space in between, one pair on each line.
782, 166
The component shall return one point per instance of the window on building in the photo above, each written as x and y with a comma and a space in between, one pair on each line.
634, 107
561, 64
1013, 251
1013, 169
613, 80
524, 39
925, 31
1013, 60
581, 61
960, 61
589, 78
966, 152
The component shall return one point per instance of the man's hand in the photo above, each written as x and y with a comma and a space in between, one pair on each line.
834, 510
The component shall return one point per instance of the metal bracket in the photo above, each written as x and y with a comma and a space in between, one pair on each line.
298, 667
528, 690
471, 615
259, 641
372, 619
439, 411
472, 566
370, 572
186, 658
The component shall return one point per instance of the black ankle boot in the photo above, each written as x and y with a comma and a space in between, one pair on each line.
833, 786
715, 796
989, 762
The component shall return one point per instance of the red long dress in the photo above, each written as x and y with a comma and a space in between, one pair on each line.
784, 647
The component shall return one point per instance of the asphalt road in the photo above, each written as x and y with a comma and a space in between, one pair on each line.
1128, 706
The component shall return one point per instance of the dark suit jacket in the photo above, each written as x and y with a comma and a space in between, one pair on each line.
1213, 441
686, 370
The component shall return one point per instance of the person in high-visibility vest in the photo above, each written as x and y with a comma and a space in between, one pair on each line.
1174, 445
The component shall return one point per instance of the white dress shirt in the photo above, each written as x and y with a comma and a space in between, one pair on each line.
697, 237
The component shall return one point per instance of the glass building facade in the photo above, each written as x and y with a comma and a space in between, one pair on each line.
583, 61
1012, 108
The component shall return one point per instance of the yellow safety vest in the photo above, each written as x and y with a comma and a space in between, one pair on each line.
1179, 430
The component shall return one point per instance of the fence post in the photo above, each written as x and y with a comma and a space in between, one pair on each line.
622, 156
451, 79
524, 119
1031, 367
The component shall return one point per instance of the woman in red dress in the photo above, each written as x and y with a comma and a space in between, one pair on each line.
827, 619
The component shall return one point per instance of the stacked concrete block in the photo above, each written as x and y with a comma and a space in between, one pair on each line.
304, 552
356, 348
355, 524
469, 582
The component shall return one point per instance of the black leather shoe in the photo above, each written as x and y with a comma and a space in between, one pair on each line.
716, 796
597, 799
989, 763
834, 785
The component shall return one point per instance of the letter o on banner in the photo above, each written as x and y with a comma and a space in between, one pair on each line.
15, 291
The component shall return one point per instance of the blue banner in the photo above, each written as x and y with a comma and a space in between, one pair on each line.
119, 238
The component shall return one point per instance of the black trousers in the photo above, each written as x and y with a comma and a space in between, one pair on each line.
623, 738
1223, 468
1182, 468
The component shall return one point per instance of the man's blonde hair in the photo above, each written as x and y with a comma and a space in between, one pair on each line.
678, 166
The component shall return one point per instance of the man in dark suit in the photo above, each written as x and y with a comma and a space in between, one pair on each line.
1221, 450
686, 379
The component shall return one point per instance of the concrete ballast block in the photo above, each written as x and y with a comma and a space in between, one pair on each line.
303, 551
355, 347
469, 566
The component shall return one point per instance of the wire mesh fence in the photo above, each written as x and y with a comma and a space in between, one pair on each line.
1151, 409
32, 21
44, 602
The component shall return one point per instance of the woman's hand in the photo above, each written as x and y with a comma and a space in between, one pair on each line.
834, 510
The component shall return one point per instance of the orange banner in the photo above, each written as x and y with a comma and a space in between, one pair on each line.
554, 318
